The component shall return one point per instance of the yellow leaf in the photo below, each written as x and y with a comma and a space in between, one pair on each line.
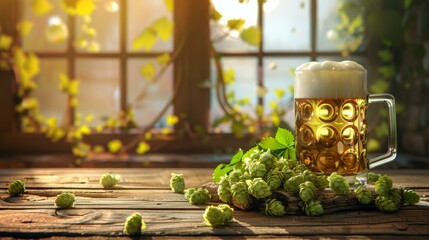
64, 82
172, 120
163, 59
166, 131
148, 71
5, 41
279, 93
148, 135
273, 105
142, 148
74, 102
251, 129
79, 7
214, 14
163, 28
114, 146
99, 128
84, 130
41, 7
251, 35
73, 87
169, 4
98, 149
32, 65
145, 40
89, 118
229, 76
24, 27
59, 133
275, 120
51, 122
236, 24
93, 47
111, 123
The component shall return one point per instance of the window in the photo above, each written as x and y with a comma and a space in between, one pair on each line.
112, 73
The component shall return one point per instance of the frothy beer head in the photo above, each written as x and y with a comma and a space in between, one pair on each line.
329, 79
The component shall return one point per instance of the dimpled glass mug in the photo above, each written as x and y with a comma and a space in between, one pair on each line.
331, 102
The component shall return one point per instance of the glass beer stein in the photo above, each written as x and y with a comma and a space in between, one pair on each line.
331, 102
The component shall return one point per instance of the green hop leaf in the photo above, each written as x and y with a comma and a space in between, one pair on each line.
271, 144
383, 185
145, 40
258, 188
213, 216
222, 169
411, 197
16, 188
307, 191
312, 208
177, 183
274, 208
363, 195
108, 181
134, 224
65, 200
338, 183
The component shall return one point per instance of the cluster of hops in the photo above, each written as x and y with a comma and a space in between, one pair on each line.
16, 188
363, 194
338, 183
108, 180
177, 183
218, 216
134, 224
65, 200
197, 196
260, 173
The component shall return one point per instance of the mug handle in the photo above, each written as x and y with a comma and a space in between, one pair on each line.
391, 151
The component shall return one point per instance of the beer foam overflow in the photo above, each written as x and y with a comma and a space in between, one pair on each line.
329, 79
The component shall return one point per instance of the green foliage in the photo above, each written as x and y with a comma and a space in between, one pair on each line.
223, 169
251, 35
236, 24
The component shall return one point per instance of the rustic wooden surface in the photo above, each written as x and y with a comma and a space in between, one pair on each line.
101, 212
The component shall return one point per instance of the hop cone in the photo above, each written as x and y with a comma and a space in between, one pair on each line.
410, 197
275, 208
292, 184
383, 185
338, 183
134, 224
65, 200
312, 208
234, 176
363, 195
213, 216
199, 197
274, 179
372, 177
307, 191
281, 163
287, 173
224, 190
300, 168
319, 181
189, 192
258, 188
386, 204
227, 212
396, 195
16, 188
177, 183
257, 169
267, 159
256, 153
240, 195
108, 181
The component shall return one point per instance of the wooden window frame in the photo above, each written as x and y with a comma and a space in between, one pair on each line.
191, 67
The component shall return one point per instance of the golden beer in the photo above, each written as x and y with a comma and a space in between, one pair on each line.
332, 134
331, 99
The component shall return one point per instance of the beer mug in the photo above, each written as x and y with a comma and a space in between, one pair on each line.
331, 102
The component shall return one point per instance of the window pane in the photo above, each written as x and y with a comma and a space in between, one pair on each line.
142, 14
147, 97
287, 26
37, 40
99, 88
53, 102
278, 75
327, 19
244, 86
106, 24
233, 10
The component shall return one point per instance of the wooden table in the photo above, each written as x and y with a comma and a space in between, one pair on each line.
101, 212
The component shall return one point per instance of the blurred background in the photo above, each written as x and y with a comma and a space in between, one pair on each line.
149, 83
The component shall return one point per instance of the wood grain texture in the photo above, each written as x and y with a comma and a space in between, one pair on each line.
100, 213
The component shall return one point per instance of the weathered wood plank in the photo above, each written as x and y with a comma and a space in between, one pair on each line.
110, 223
